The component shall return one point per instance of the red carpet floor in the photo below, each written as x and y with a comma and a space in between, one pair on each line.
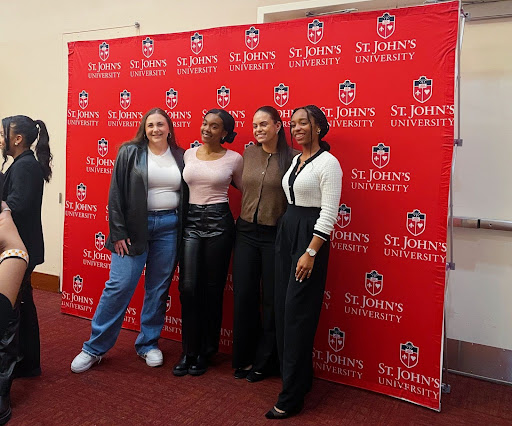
122, 390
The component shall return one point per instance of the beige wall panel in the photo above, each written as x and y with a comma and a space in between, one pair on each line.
33, 48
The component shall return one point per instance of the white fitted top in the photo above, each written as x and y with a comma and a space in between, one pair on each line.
164, 181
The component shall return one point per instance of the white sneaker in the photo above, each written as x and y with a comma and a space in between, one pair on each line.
154, 357
83, 361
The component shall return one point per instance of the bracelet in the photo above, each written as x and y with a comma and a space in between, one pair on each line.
7, 209
20, 254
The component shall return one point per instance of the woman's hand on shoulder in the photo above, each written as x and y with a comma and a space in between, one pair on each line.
121, 247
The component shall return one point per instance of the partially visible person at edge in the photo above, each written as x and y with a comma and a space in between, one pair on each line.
145, 205
263, 203
23, 195
13, 264
312, 186
207, 240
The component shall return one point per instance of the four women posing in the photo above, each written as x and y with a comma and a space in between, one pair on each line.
166, 204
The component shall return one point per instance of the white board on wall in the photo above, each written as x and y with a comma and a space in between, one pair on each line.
483, 171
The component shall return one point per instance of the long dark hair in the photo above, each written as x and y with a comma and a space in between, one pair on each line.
227, 121
320, 121
30, 131
141, 137
284, 150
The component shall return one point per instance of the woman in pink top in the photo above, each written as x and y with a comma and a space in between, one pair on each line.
207, 240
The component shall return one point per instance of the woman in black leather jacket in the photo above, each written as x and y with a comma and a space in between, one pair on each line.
145, 203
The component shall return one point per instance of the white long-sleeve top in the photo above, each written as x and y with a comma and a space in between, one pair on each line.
318, 184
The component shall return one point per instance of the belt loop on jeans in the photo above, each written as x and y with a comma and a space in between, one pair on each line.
162, 212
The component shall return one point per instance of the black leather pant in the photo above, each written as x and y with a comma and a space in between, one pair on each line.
19, 345
204, 260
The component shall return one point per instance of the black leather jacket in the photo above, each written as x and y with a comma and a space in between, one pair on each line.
127, 200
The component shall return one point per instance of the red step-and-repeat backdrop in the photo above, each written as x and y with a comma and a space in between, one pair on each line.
385, 81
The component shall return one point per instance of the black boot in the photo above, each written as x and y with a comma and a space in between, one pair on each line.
8, 359
199, 367
181, 368
5, 409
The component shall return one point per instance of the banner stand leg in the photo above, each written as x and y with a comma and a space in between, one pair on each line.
450, 266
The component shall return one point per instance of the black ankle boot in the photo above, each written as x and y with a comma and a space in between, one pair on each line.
198, 367
5, 409
181, 368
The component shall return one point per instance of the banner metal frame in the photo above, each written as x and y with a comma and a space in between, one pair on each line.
457, 142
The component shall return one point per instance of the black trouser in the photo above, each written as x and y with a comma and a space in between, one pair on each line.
254, 331
297, 304
19, 345
207, 242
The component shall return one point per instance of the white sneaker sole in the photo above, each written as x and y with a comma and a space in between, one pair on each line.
152, 363
85, 367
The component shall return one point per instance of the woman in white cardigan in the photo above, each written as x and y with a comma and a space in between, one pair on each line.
312, 186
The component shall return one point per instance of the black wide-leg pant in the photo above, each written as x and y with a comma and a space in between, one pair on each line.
297, 304
204, 261
254, 331
19, 345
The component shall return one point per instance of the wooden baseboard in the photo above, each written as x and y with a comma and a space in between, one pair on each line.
45, 282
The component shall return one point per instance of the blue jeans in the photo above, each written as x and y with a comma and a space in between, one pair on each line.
125, 273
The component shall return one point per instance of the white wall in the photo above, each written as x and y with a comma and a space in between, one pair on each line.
33, 48
480, 289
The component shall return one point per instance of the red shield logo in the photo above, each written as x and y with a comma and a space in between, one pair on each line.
380, 155
252, 38
281, 94
147, 47
422, 89
125, 99
315, 31
344, 216
374, 282
336, 339
78, 283
168, 303
409, 354
196, 43
104, 51
103, 147
347, 92
223, 97
83, 99
81, 192
385, 25
171, 98
99, 241
416, 222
